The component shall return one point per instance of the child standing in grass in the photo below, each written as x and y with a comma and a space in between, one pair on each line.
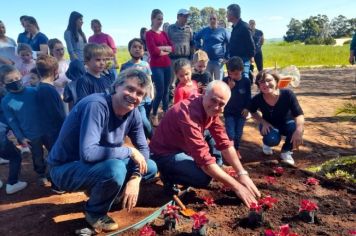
200, 74
235, 112
186, 86
26, 63
136, 49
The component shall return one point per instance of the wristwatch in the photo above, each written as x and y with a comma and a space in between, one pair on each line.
242, 172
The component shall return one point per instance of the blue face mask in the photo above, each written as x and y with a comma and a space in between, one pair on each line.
14, 86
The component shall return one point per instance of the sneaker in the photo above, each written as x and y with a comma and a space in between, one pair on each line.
3, 161
13, 188
43, 181
267, 150
105, 223
1, 184
287, 157
56, 189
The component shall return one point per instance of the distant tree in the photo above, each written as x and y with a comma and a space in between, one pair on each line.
194, 19
324, 26
294, 31
340, 27
222, 15
310, 28
352, 24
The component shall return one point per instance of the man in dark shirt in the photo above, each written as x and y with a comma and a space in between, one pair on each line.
89, 154
241, 43
258, 39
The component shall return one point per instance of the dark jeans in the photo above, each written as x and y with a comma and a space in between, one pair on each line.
9, 152
143, 108
161, 77
259, 61
103, 180
37, 144
180, 168
234, 126
273, 138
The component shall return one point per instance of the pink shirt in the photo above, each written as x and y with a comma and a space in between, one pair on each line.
182, 130
103, 39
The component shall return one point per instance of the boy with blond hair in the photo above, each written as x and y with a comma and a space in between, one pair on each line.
200, 74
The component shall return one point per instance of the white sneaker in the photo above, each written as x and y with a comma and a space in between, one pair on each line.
1, 184
3, 161
267, 150
13, 188
287, 157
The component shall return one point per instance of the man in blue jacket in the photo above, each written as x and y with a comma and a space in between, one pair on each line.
89, 154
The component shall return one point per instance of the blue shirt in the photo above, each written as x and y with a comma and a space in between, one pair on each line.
37, 40
93, 133
142, 65
23, 114
214, 42
89, 84
240, 97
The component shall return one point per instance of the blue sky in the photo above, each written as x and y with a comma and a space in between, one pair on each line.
123, 19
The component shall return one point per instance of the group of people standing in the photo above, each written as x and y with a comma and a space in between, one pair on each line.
190, 143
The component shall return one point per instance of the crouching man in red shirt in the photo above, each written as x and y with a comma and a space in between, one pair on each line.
182, 154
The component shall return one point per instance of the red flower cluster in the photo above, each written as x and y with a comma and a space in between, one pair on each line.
283, 231
312, 181
270, 180
306, 205
255, 207
147, 231
278, 171
199, 220
267, 202
171, 211
209, 201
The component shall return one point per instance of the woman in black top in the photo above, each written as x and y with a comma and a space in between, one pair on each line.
281, 115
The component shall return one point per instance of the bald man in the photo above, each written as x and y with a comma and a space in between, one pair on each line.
182, 154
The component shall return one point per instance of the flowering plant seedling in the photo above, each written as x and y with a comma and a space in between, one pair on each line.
278, 171
170, 215
270, 180
312, 181
267, 202
283, 231
199, 223
209, 201
147, 231
307, 211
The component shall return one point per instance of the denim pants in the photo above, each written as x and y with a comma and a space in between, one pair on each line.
146, 123
273, 137
234, 126
37, 144
161, 77
9, 152
216, 69
259, 61
103, 180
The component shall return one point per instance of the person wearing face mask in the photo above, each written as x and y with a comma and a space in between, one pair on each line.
89, 154
22, 113
281, 115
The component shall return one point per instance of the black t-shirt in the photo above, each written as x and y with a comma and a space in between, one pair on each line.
286, 108
203, 78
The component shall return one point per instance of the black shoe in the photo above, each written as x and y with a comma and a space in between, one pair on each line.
56, 189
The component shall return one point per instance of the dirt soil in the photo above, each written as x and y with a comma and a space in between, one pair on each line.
38, 211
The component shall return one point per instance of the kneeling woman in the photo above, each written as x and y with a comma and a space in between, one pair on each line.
281, 115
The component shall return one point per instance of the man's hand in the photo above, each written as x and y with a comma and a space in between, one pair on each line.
297, 138
265, 127
139, 159
130, 194
231, 83
246, 181
245, 195
244, 113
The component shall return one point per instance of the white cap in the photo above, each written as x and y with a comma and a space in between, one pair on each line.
183, 12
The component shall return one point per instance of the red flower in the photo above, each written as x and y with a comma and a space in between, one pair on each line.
278, 170
267, 202
231, 172
147, 231
270, 180
209, 201
312, 181
171, 211
270, 232
352, 232
255, 207
199, 220
306, 205
283, 231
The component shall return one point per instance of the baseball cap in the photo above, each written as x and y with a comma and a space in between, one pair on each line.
183, 12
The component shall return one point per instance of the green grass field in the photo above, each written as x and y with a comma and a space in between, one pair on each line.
284, 54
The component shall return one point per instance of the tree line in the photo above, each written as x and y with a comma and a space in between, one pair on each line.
200, 18
319, 29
